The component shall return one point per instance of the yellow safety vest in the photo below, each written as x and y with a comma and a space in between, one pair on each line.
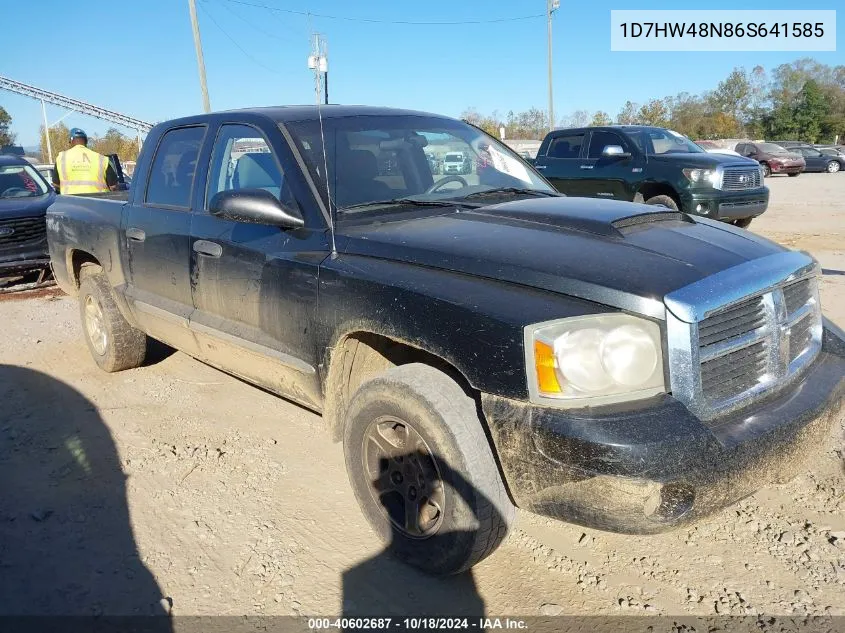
81, 170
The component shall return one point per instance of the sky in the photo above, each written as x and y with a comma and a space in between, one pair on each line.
137, 56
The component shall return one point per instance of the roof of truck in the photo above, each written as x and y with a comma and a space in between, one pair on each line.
11, 159
306, 112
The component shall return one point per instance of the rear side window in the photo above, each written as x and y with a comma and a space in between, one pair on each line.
601, 139
568, 146
174, 165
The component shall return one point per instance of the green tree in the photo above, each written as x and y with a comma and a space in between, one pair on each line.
601, 118
628, 114
6, 135
733, 95
811, 112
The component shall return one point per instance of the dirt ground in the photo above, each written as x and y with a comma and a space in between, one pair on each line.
176, 487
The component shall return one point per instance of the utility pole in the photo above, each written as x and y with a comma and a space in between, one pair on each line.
192, 6
551, 7
46, 133
318, 61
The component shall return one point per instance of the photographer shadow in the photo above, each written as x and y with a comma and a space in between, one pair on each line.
66, 541
385, 586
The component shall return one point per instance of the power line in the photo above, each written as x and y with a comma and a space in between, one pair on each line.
377, 21
234, 41
260, 29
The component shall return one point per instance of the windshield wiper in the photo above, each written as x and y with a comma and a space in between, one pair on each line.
399, 202
514, 190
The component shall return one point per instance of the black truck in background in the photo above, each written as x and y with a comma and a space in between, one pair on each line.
656, 166
477, 341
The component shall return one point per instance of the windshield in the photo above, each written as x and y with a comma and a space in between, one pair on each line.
359, 176
771, 148
21, 181
657, 141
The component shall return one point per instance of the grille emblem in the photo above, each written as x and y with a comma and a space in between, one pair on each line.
5, 231
743, 179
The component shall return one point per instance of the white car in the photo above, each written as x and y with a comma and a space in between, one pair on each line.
456, 163
711, 148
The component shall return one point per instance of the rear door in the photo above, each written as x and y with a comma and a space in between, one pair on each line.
607, 176
255, 286
157, 226
560, 161
815, 160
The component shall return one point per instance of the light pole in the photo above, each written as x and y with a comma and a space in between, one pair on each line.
318, 61
551, 7
192, 7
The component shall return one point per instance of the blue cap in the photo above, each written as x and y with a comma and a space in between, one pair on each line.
78, 133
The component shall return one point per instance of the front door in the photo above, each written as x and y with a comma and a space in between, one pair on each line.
607, 175
255, 286
157, 229
561, 162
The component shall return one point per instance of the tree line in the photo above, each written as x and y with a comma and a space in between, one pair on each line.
803, 100
112, 142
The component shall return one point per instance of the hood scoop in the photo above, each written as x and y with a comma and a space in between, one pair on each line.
649, 218
590, 215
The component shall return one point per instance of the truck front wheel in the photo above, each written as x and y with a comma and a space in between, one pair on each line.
743, 223
114, 344
423, 472
666, 201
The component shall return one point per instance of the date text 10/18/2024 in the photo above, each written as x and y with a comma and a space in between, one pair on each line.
424, 624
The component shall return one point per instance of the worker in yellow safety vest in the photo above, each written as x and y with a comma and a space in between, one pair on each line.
82, 170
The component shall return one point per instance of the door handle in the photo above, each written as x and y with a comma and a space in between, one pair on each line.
540, 167
136, 235
204, 247
586, 166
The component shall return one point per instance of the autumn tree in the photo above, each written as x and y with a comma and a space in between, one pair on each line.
59, 140
654, 113
601, 118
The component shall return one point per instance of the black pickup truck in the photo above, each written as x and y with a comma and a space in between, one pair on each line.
654, 165
477, 341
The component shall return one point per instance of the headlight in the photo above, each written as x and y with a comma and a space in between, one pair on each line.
702, 177
592, 360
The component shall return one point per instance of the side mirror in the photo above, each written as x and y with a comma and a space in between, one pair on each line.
256, 206
615, 151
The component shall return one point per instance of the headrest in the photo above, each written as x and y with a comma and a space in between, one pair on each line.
256, 170
358, 164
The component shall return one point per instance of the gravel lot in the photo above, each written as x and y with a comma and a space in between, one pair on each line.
178, 482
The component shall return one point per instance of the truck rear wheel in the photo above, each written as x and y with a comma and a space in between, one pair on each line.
423, 472
114, 344
666, 201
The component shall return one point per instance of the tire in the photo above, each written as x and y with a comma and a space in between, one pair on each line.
666, 201
833, 167
767, 171
743, 223
795, 175
462, 509
114, 344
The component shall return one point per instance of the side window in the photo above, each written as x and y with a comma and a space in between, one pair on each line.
172, 172
242, 159
566, 146
601, 139
741, 149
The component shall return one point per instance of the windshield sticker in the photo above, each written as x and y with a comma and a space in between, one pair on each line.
507, 164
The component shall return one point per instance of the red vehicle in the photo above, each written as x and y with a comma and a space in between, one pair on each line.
773, 158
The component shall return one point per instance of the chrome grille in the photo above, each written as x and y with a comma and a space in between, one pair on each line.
741, 178
743, 333
23, 230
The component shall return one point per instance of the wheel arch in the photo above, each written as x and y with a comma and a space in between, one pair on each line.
651, 188
361, 354
76, 259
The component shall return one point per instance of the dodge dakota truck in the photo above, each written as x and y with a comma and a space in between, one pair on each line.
653, 165
478, 342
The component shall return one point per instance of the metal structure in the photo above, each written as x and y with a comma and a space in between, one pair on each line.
75, 104
318, 61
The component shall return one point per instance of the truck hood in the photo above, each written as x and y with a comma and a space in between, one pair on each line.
619, 254
25, 207
704, 160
